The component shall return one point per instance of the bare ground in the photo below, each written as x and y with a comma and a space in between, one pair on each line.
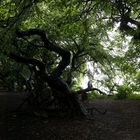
121, 122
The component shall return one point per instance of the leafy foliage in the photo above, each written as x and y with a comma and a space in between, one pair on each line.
123, 92
105, 34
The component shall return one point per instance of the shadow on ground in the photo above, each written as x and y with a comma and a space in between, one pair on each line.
121, 122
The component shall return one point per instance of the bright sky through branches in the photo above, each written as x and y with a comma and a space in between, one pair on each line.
97, 76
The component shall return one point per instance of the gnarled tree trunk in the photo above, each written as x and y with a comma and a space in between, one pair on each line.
60, 88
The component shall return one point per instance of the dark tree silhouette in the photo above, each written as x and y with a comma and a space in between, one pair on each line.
59, 87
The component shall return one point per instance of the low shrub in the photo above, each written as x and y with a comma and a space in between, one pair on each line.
95, 95
123, 92
134, 97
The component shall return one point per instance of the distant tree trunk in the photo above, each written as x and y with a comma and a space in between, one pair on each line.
84, 96
84, 92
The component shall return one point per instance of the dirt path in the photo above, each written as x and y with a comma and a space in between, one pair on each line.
121, 122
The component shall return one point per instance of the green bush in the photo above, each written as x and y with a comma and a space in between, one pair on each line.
96, 95
134, 97
123, 91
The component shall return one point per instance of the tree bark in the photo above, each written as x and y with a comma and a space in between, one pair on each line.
60, 88
90, 89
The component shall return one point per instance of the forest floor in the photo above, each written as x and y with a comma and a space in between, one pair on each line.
121, 122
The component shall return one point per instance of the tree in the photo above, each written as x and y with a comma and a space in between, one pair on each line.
53, 40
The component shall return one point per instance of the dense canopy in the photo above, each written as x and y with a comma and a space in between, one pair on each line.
57, 44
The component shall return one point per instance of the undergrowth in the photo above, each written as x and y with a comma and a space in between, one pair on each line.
93, 96
134, 97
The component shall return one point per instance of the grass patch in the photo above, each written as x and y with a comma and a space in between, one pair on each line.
134, 97
93, 96
129, 97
